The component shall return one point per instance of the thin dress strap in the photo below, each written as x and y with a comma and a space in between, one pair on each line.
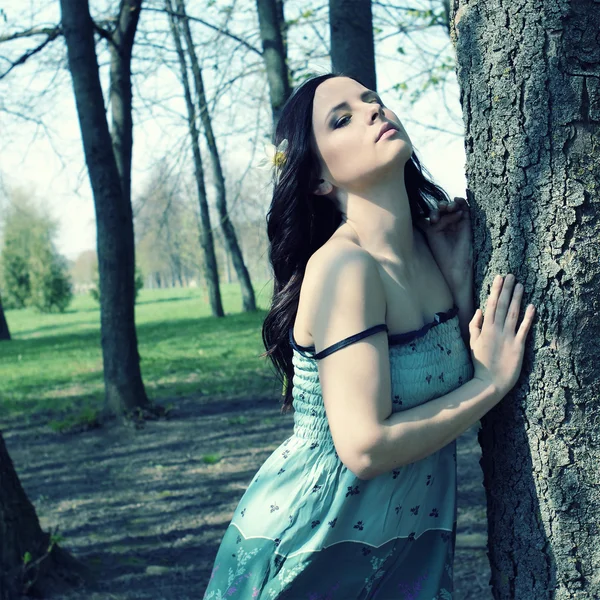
309, 351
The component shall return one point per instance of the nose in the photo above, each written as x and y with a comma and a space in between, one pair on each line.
374, 111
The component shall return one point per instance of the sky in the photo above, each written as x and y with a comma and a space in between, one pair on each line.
48, 159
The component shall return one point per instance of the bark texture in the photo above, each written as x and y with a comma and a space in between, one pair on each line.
124, 389
229, 235
352, 42
529, 74
271, 23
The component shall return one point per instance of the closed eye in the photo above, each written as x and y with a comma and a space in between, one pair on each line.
342, 123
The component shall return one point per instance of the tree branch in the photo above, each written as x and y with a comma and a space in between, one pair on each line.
206, 24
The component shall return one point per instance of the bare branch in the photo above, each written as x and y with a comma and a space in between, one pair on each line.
52, 35
206, 24
49, 31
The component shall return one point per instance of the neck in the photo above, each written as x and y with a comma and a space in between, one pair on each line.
381, 220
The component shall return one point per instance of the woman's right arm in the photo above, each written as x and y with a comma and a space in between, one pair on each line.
412, 434
497, 353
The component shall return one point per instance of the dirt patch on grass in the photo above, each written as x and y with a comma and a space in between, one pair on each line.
146, 509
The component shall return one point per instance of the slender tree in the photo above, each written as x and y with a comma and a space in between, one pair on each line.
529, 83
352, 42
4, 330
229, 235
108, 168
271, 23
211, 273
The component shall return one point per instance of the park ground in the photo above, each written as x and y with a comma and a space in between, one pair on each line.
146, 508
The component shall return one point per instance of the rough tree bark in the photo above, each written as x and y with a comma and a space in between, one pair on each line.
211, 273
271, 24
4, 330
30, 561
529, 74
231, 242
124, 390
352, 42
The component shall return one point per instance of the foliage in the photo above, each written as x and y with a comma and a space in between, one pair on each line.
51, 289
32, 272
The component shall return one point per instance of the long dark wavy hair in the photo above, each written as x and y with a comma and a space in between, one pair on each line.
299, 222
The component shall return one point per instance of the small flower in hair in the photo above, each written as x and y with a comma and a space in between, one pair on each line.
275, 158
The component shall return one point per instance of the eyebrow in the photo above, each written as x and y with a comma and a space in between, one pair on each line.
344, 104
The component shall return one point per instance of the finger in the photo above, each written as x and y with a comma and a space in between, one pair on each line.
475, 325
504, 300
525, 323
448, 219
490, 307
513, 309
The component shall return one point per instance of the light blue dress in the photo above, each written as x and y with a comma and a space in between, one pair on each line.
307, 528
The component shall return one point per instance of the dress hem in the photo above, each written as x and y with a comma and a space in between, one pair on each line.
397, 537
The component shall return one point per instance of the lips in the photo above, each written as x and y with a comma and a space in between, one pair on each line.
386, 127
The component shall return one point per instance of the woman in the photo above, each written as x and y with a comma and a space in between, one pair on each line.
360, 502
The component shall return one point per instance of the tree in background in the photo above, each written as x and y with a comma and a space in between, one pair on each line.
352, 43
227, 228
51, 287
108, 159
211, 273
4, 330
32, 272
166, 229
530, 91
272, 35
95, 288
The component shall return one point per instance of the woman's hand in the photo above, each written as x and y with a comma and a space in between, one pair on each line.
450, 238
497, 344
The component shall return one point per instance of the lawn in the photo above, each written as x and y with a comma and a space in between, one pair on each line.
54, 362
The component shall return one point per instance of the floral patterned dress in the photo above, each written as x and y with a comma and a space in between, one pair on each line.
307, 528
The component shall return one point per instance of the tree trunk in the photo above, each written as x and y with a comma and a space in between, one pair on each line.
530, 91
4, 330
211, 273
124, 389
352, 43
47, 568
231, 242
271, 23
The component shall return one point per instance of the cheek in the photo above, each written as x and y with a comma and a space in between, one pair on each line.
345, 157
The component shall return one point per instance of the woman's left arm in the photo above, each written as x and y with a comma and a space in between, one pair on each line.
450, 239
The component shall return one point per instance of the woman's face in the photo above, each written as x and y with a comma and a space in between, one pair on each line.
347, 120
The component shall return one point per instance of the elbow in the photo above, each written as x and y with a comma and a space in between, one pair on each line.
365, 467
359, 465
359, 458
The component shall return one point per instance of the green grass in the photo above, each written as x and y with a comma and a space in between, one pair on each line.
54, 362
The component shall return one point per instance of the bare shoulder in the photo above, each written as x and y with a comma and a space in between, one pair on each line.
336, 256
341, 289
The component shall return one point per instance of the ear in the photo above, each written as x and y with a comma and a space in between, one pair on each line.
323, 188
